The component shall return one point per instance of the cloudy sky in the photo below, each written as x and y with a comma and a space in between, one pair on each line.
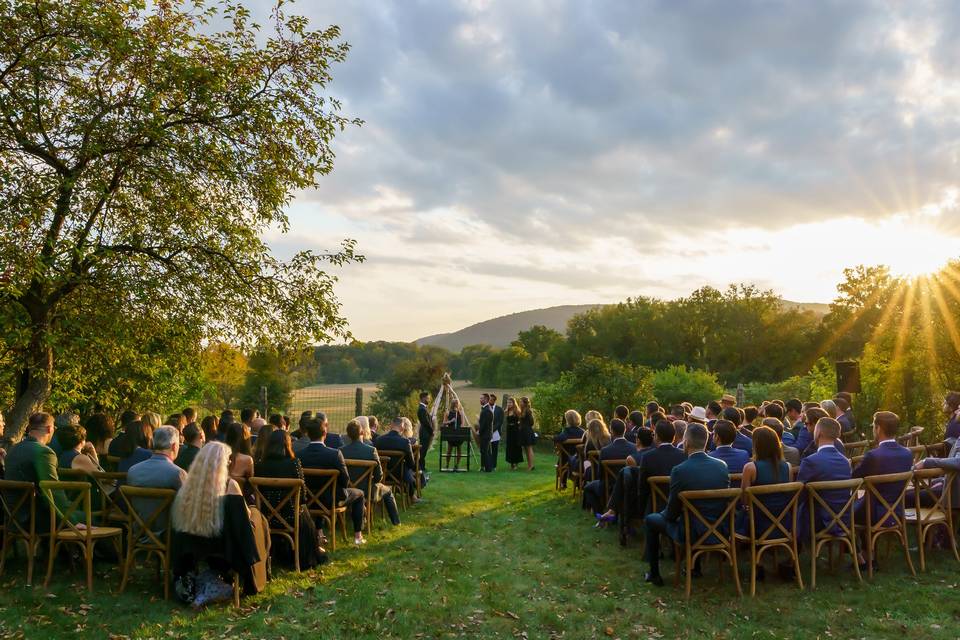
518, 155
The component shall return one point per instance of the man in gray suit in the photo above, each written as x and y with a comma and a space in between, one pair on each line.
158, 472
359, 450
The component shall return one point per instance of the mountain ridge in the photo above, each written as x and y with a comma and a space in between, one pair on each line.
500, 331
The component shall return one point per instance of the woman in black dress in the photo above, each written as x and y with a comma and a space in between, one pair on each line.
454, 420
514, 444
527, 437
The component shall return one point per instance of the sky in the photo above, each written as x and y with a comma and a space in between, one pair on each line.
518, 155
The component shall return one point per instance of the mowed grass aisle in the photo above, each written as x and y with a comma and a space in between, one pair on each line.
499, 555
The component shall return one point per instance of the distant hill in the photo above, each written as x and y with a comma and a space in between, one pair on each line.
499, 332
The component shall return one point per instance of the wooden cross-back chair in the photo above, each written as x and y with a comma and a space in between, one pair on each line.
563, 470
64, 531
361, 477
609, 470
394, 465
919, 452
736, 479
659, 492
718, 537
593, 457
858, 448
888, 521
142, 533
939, 513
19, 499
780, 531
112, 506
278, 523
841, 518
326, 480
110, 463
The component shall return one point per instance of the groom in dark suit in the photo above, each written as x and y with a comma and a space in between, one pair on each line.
426, 429
485, 431
497, 431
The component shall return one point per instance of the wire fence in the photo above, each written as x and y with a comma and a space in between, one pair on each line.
340, 403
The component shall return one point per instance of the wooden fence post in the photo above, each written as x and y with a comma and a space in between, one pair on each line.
359, 402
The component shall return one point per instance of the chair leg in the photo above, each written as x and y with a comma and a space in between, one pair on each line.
31, 558
127, 566
333, 530
236, 591
921, 541
52, 555
796, 563
689, 581
953, 540
296, 550
736, 569
853, 554
88, 558
906, 548
166, 574
871, 543
814, 550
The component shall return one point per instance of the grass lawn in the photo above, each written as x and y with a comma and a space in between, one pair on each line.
499, 555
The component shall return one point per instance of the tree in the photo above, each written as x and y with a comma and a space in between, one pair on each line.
224, 370
266, 369
676, 384
143, 154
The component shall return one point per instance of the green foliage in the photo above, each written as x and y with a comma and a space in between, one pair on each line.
361, 361
224, 369
397, 395
145, 152
676, 384
593, 383
266, 368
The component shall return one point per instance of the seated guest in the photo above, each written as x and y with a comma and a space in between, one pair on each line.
774, 410
833, 411
241, 462
212, 524
158, 472
136, 444
189, 416
827, 463
259, 446
596, 438
77, 452
276, 421
815, 415
679, 428
127, 418
887, 457
571, 431
625, 493
31, 460
408, 432
767, 467
811, 416
699, 472
790, 454
256, 425
332, 440
634, 423
360, 450
750, 414
618, 449
300, 434
792, 421
318, 455
100, 432
724, 433
177, 421
951, 407
393, 440
845, 417
651, 408
278, 461
211, 428
65, 419
373, 429
741, 439
193, 439
659, 461
950, 463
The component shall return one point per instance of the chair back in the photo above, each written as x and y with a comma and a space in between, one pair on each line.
112, 505
914, 434
659, 492
361, 475
564, 451
890, 511
77, 496
717, 532
919, 452
608, 476
394, 465
841, 518
273, 509
593, 457
19, 499
110, 463
313, 496
736, 479
142, 527
924, 481
72, 475
778, 528
858, 448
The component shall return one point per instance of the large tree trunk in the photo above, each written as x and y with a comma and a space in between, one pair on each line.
33, 388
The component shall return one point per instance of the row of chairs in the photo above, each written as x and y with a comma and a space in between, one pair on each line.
115, 516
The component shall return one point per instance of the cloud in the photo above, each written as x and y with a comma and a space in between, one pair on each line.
503, 137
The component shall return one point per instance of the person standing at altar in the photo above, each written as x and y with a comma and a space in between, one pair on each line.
498, 418
454, 421
485, 432
426, 429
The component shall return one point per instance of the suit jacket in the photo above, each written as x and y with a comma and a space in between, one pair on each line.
791, 455
299, 444
185, 458
656, 461
847, 421
426, 424
485, 423
826, 464
362, 451
31, 461
320, 456
569, 433
951, 463
888, 457
743, 442
812, 448
156, 472
619, 449
497, 418
804, 439
735, 458
393, 441
699, 472
333, 440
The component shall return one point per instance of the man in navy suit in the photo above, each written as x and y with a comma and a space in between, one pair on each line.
485, 431
426, 429
317, 455
742, 438
332, 440
659, 461
496, 434
888, 457
826, 464
393, 441
724, 434
618, 449
699, 472
844, 402
571, 431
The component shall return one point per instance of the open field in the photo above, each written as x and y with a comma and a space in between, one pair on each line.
338, 401
495, 556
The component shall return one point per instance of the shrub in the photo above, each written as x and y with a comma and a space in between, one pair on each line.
676, 384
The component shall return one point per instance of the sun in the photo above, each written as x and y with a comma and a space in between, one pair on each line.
913, 251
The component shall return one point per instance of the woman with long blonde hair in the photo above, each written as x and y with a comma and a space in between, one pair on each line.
199, 505
527, 433
598, 436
